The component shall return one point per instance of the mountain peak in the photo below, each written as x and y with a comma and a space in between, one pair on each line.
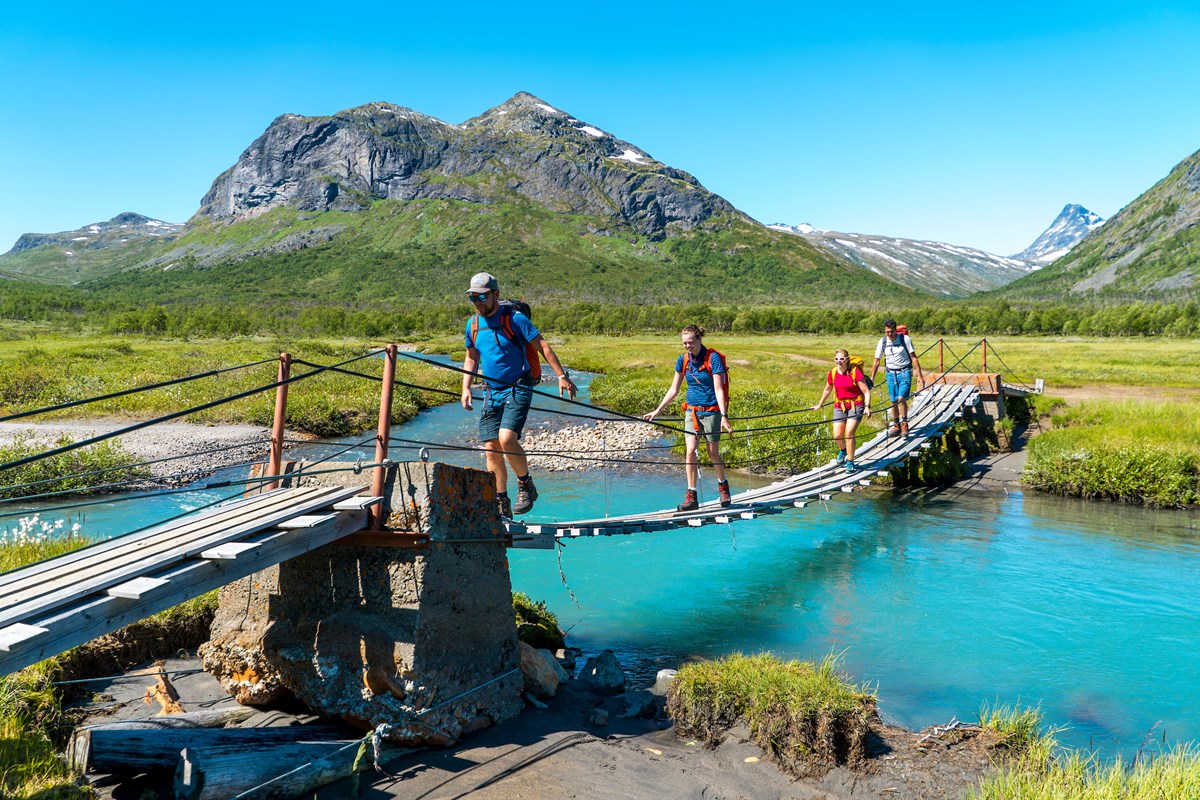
523, 111
523, 147
1070, 226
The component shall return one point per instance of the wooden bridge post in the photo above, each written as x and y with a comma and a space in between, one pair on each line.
941, 359
384, 432
984, 342
275, 462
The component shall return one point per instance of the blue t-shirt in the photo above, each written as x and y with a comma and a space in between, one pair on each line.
700, 391
499, 358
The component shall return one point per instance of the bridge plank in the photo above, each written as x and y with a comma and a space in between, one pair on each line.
20, 601
305, 521
134, 589
95, 613
124, 551
18, 632
930, 412
356, 503
201, 518
231, 550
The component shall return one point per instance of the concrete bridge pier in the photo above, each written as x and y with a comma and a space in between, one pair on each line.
396, 627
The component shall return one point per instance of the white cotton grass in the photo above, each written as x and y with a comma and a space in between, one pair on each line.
34, 530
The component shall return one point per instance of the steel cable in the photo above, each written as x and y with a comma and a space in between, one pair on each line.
123, 393
173, 415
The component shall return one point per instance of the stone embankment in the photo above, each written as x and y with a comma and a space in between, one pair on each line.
595, 445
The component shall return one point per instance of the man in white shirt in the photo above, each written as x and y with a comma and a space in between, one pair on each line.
899, 357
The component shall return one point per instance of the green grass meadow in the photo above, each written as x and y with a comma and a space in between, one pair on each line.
1136, 451
50, 371
1087, 453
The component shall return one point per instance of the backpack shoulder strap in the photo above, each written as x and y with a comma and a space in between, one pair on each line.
510, 330
474, 328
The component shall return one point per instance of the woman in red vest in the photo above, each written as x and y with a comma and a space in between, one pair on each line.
852, 402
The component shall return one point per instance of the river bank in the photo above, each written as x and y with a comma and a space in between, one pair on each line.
566, 749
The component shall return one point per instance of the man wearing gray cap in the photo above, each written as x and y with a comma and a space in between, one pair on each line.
505, 345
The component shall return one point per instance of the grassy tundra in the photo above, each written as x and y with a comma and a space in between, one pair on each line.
1128, 432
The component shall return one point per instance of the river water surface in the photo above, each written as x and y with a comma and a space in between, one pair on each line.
939, 600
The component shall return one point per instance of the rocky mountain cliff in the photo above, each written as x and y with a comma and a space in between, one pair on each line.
1068, 229
383, 204
524, 147
1148, 250
932, 267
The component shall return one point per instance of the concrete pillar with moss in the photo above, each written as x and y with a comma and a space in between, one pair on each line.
376, 633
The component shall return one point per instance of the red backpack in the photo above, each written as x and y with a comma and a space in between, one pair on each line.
507, 309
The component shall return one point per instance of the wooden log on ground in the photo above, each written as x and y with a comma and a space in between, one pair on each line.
79, 748
116, 749
212, 718
282, 772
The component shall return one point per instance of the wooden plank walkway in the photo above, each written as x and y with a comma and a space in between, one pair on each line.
931, 413
62, 602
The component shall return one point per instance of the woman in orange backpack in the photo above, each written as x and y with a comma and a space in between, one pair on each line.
852, 402
705, 410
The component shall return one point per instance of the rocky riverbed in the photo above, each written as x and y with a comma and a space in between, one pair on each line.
595, 446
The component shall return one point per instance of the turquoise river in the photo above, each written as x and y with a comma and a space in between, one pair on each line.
939, 600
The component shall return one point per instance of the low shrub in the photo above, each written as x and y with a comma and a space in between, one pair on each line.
806, 716
76, 470
537, 625
1074, 775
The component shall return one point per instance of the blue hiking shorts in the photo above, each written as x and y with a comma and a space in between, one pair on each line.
505, 408
899, 384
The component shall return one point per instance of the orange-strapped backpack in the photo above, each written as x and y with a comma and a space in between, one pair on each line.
705, 367
507, 308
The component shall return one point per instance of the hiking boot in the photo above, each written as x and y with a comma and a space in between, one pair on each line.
504, 504
690, 503
723, 489
841, 457
526, 494
894, 428
850, 466
904, 428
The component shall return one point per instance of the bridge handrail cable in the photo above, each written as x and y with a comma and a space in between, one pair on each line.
124, 392
203, 487
119, 468
175, 415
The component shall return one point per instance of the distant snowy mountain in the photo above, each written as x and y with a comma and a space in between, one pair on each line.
1074, 223
799, 230
933, 267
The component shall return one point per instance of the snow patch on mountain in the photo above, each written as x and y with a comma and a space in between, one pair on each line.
1069, 228
946, 269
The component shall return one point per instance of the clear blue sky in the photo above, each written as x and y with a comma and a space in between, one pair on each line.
966, 123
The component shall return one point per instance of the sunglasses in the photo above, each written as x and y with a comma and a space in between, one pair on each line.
839, 360
478, 298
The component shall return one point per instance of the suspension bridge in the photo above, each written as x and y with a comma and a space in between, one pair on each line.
51, 606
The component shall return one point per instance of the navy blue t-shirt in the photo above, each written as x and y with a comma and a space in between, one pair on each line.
499, 358
700, 390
